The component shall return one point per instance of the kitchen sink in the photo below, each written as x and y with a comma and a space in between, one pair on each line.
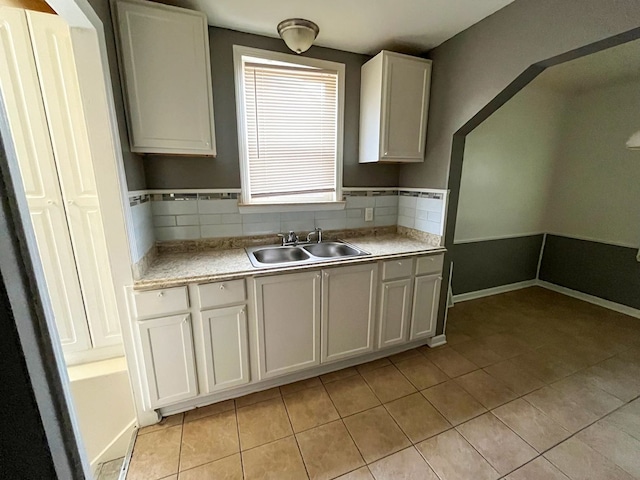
331, 249
272, 255
278, 256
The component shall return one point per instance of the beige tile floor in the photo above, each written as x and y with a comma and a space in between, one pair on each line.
532, 385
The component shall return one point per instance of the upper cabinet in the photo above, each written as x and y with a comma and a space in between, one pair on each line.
166, 75
394, 102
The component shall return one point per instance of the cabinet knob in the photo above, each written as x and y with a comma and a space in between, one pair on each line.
50, 202
223, 286
71, 202
399, 263
161, 294
318, 275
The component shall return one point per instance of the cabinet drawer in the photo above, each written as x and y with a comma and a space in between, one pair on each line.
400, 268
221, 293
157, 303
431, 264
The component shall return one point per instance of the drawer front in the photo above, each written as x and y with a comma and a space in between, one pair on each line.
221, 293
156, 303
430, 264
401, 268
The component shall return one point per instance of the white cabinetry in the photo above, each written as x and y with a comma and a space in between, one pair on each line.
166, 74
39, 84
221, 337
394, 102
426, 294
167, 351
288, 321
348, 311
395, 302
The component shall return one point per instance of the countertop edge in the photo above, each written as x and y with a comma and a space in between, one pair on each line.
142, 285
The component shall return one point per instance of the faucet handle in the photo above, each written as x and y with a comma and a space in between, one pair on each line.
283, 237
292, 237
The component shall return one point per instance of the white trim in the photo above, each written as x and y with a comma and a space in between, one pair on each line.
422, 190
437, 341
595, 240
487, 292
116, 447
192, 190
238, 52
292, 207
616, 307
369, 189
496, 237
544, 242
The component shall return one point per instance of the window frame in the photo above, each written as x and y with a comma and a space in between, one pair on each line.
245, 204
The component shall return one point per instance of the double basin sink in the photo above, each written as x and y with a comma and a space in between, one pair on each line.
275, 256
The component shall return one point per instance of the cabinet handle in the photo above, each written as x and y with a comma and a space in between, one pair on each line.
222, 287
50, 202
71, 202
242, 311
318, 275
161, 294
399, 263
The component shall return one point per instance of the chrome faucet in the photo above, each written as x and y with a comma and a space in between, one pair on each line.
318, 234
289, 239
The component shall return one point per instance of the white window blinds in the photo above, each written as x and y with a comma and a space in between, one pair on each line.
291, 116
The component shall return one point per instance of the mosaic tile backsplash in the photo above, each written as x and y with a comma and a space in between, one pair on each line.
191, 216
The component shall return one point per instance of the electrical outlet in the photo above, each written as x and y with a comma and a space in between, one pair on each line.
368, 214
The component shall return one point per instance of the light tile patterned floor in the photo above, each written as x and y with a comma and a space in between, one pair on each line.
533, 385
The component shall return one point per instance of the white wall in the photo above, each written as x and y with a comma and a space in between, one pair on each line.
507, 168
596, 180
103, 404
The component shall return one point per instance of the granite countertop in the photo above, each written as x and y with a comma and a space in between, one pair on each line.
171, 269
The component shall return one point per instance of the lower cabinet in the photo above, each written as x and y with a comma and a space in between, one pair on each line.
395, 313
348, 311
288, 321
168, 356
222, 345
424, 314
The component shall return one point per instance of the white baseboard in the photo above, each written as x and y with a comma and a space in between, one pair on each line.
463, 297
437, 341
116, 448
616, 307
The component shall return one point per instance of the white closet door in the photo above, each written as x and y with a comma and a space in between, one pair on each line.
28, 124
55, 63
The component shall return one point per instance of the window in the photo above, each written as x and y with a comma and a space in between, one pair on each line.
290, 112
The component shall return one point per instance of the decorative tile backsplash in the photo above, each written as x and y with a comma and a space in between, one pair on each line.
191, 216
422, 211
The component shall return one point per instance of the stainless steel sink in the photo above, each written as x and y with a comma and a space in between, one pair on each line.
272, 255
275, 256
331, 249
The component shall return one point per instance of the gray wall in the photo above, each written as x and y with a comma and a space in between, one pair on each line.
471, 73
599, 269
164, 171
133, 164
492, 263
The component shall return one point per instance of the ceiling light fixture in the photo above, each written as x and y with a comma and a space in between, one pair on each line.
298, 33
634, 142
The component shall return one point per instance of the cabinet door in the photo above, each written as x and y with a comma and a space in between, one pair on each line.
167, 351
348, 306
30, 132
225, 359
55, 62
424, 315
166, 74
395, 309
405, 103
288, 318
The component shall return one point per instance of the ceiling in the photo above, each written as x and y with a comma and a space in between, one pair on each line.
361, 26
607, 67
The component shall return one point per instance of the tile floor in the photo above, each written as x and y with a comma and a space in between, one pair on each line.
532, 385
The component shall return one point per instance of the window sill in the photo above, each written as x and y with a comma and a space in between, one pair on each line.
290, 207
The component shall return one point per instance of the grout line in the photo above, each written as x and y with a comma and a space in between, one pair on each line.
181, 440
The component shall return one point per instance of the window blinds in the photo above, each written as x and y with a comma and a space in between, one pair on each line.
291, 132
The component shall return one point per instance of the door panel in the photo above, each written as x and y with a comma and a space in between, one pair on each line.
424, 315
395, 310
